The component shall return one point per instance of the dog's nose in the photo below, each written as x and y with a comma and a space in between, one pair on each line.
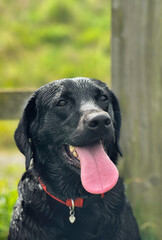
98, 120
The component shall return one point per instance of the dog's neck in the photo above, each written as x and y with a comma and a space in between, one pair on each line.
78, 202
64, 182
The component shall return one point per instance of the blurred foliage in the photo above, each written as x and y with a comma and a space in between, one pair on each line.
46, 40
8, 195
7, 129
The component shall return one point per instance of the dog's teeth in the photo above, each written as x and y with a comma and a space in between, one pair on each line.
75, 154
72, 149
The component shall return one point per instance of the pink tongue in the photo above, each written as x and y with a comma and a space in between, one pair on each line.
98, 172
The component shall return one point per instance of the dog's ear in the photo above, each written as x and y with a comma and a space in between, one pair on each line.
22, 134
114, 111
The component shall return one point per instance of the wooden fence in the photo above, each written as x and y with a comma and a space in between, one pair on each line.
137, 81
12, 103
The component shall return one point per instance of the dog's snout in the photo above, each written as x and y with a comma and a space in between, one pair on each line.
97, 120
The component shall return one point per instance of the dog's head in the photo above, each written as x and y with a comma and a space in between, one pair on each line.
73, 124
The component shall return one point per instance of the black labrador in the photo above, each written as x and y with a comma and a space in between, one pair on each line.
71, 190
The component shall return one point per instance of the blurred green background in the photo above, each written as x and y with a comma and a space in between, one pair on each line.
42, 41
46, 40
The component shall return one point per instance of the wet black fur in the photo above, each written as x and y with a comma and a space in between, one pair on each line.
44, 128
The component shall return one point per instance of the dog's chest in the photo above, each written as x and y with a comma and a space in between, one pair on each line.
88, 222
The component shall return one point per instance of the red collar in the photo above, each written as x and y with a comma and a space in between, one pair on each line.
78, 202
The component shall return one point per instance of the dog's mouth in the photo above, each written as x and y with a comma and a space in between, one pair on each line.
98, 173
72, 155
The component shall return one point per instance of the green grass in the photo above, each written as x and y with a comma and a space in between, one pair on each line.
8, 195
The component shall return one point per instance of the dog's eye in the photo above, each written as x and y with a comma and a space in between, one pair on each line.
62, 103
103, 98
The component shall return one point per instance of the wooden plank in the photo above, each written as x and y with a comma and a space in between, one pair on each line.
12, 103
137, 81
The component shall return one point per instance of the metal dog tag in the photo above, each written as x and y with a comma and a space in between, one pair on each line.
72, 212
72, 218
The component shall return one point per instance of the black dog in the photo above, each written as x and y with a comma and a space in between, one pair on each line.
69, 134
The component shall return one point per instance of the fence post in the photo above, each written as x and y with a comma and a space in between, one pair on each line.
12, 103
137, 81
